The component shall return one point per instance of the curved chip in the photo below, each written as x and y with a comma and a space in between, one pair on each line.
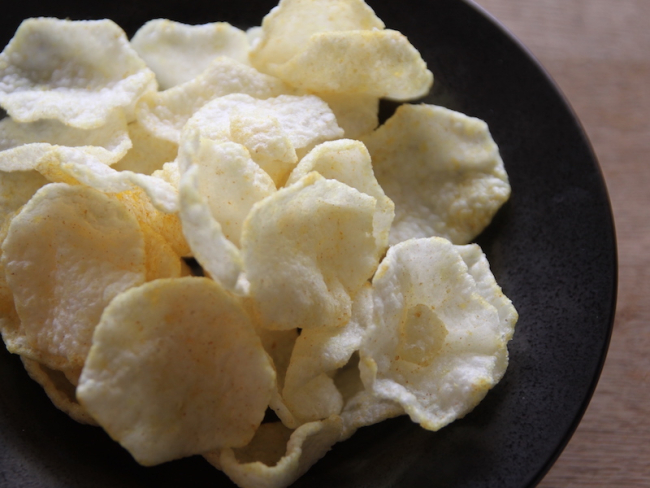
306, 121
68, 252
165, 113
24, 146
288, 27
379, 63
176, 369
277, 457
148, 153
178, 52
219, 257
348, 161
309, 390
436, 345
75, 71
356, 113
308, 249
443, 171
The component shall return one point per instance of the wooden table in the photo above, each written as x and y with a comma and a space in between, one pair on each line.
598, 52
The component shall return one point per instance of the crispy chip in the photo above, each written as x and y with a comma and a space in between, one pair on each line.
24, 146
436, 345
305, 120
75, 71
58, 389
379, 63
348, 161
357, 114
443, 171
179, 52
212, 395
68, 252
219, 257
288, 27
307, 251
165, 113
272, 462
229, 181
309, 389
148, 153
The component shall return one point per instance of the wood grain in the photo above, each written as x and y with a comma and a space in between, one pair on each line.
598, 52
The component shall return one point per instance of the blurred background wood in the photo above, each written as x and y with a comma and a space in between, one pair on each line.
598, 52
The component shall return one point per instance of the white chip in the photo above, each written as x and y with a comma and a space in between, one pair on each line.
178, 52
75, 71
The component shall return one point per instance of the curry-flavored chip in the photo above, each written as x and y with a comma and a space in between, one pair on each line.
77, 72
178, 52
443, 171
308, 249
176, 369
436, 344
69, 251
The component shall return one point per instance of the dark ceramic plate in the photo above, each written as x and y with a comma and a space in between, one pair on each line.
552, 248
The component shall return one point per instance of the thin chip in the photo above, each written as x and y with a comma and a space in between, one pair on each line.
443, 171
178, 52
75, 71
147, 154
212, 395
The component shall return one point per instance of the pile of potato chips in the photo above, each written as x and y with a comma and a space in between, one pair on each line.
335, 282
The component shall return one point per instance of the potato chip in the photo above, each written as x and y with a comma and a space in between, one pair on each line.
307, 250
219, 257
309, 390
147, 154
348, 161
230, 182
305, 120
443, 171
75, 71
272, 462
161, 261
179, 52
165, 113
357, 114
212, 395
436, 345
16, 188
58, 389
289, 26
68, 252
24, 146
379, 63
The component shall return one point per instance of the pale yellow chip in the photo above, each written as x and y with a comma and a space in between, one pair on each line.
178, 52
272, 461
443, 171
309, 390
436, 345
69, 251
176, 369
307, 250
161, 261
148, 154
165, 113
218, 256
305, 121
357, 114
75, 71
24, 146
289, 26
379, 63
16, 188
229, 181
58, 389
348, 161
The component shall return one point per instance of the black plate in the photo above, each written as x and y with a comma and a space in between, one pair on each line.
552, 248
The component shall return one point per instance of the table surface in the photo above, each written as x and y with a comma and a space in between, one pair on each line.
598, 52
